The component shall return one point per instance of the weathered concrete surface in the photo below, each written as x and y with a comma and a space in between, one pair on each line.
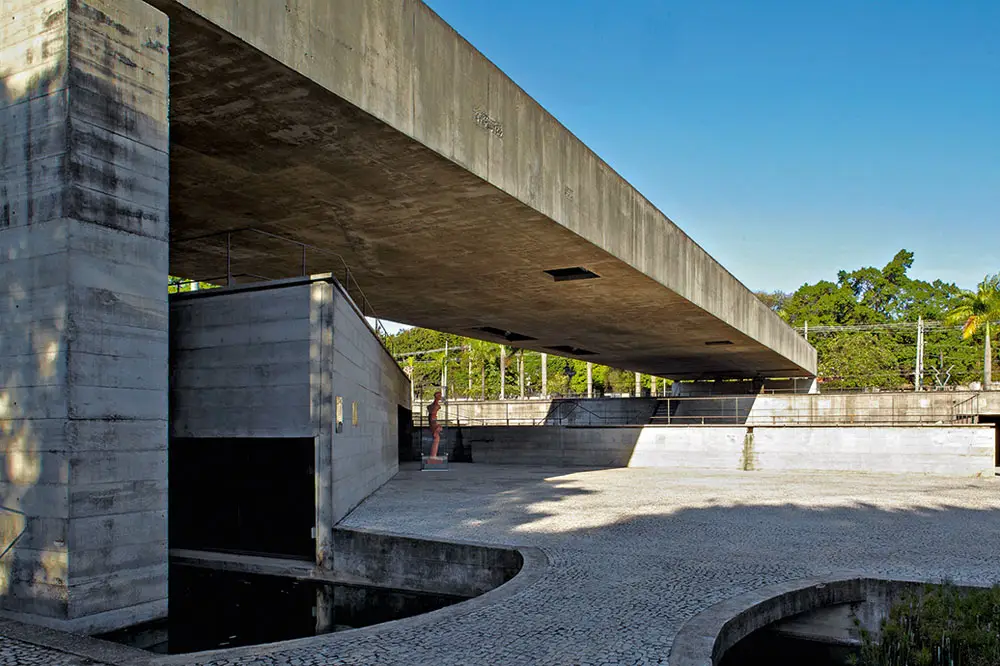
83, 313
272, 361
947, 450
374, 130
462, 569
562, 411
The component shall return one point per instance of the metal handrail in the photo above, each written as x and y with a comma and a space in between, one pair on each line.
367, 310
19, 534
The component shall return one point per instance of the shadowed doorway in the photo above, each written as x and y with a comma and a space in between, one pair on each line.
254, 495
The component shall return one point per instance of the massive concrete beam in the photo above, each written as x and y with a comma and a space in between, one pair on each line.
83, 311
374, 130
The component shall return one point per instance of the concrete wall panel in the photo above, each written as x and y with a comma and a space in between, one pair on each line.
947, 450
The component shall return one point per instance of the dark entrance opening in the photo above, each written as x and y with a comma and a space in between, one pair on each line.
995, 420
243, 495
404, 430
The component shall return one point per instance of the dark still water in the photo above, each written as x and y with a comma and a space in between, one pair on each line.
219, 609
769, 648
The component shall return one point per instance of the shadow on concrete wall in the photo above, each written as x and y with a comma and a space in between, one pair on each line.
32, 337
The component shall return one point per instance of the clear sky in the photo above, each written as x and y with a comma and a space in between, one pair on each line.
790, 138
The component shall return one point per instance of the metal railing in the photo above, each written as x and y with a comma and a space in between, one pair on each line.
24, 528
699, 410
967, 411
349, 282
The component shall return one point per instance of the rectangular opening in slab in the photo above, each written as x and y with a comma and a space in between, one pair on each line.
569, 350
572, 273
246, 495
716, 343
509, 336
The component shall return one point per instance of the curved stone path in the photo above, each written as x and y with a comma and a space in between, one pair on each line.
635, 553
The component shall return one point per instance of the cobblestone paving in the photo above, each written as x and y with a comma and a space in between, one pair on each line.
18, 653
634, 553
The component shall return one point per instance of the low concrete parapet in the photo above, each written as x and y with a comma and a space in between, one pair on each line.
402, 562
955, 450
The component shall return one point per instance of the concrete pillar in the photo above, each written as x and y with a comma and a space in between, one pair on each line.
638, 384
83, 311
545, 375
590, 380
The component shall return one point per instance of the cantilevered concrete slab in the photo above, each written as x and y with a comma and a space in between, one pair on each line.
372, 129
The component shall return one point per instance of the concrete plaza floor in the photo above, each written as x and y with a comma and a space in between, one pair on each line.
635, 553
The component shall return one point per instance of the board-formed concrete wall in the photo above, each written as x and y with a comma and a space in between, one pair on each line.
274, 360
947, 450
366, 454
84, 156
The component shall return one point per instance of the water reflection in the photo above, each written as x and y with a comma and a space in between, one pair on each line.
212, 609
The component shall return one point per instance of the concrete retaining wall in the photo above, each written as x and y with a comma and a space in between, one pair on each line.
948, 450
393, 561
560, 411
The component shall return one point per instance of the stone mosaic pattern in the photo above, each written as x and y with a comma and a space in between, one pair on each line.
19, 653
635, 553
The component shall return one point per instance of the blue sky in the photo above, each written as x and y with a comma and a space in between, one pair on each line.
789, 138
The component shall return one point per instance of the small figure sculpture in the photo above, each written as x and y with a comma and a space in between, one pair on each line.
432, 412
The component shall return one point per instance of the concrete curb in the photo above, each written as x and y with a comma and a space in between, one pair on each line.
705, 638
78, 645
535, 564
534, 567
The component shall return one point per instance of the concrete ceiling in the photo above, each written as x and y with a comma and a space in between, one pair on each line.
256, 144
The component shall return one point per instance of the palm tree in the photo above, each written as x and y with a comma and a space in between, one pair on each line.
481, 353
978, 310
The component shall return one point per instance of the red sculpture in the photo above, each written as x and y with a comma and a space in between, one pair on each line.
432, 412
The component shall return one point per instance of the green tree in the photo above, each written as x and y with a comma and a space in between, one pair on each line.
941, 625
977, 310
775, 300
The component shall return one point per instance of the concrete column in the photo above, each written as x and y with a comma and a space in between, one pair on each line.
545, 375
590, 380
638, 384
83, 311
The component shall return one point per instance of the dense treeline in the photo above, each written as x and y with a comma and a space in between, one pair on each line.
881, 307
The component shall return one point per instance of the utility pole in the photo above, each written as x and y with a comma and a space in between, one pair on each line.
520, 374
545, 375
920, 355
590, 379
638, 384
805, 330
503, 371
444, 381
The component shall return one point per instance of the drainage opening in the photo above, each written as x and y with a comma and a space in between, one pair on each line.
571, 351
714, 343
509, 336
573, 273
